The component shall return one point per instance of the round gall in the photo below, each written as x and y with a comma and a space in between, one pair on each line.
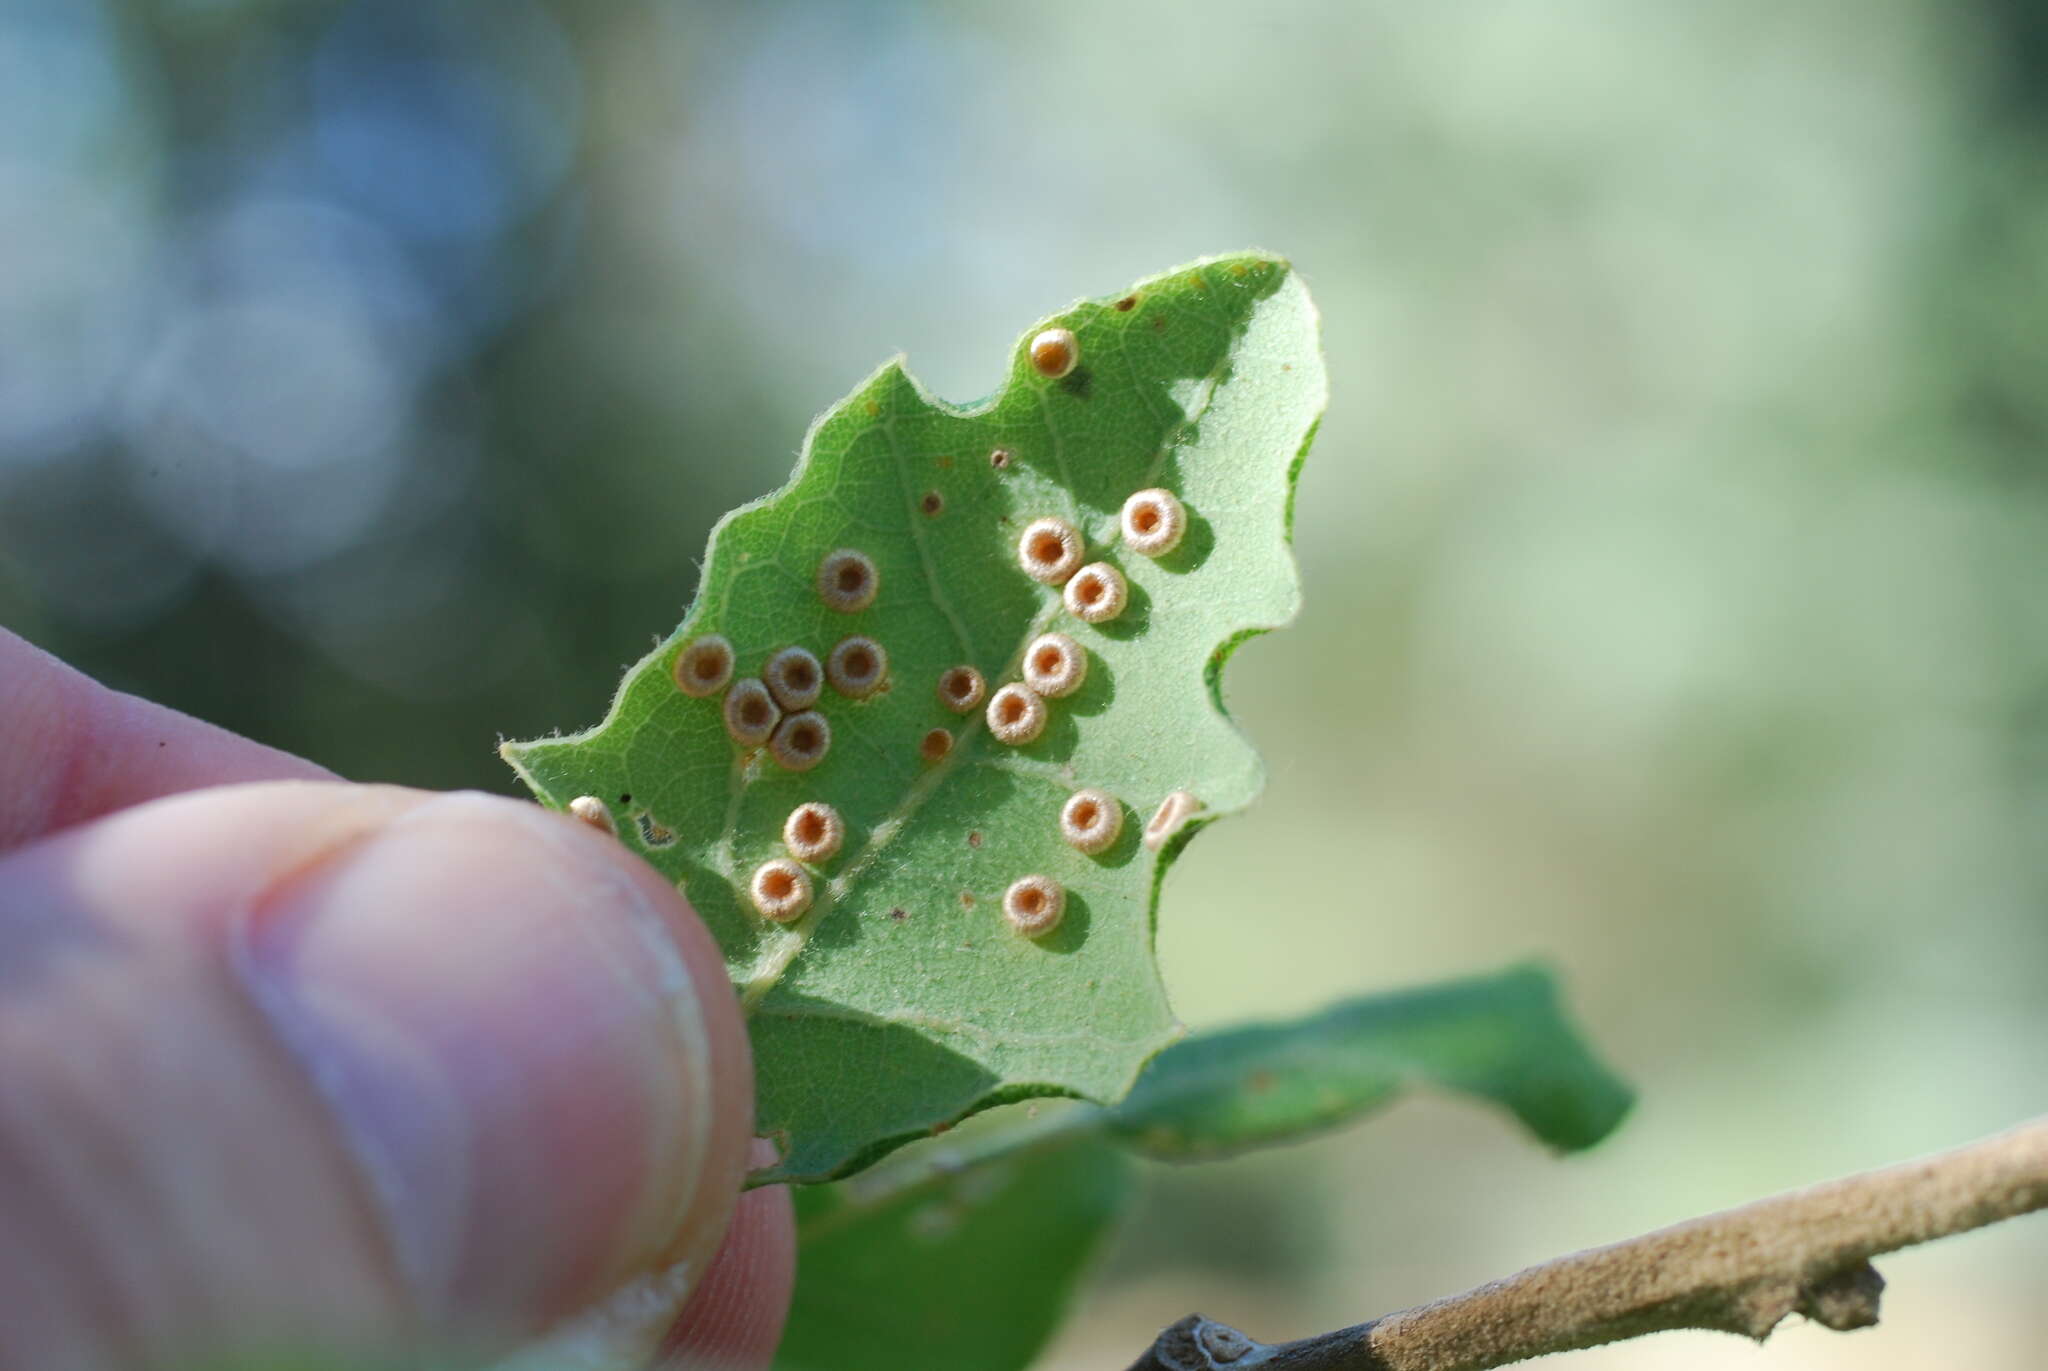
591, 810
848, 581
1054, 353
704, 667
1170, 818
1055, 665
961, 688
1034, 904
1091, 821
781, 890
935, 744
1097, 593
1154, 522
857, 666
801, 742
1049, 551
750, 713
794, 678
813, 832
1016, 714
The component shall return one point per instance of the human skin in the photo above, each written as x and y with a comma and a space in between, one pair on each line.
287, 1062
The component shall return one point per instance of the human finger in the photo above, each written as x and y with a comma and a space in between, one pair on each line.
314, 1065
72, 750
735, 1315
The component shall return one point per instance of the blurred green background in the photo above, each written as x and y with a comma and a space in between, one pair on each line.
1676, 547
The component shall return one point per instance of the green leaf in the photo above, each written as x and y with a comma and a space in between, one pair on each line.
902, 1000
965, 1257
965, 1270
1502, 1038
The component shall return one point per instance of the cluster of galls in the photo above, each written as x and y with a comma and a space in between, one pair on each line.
1050, 552
781, 888
1054, 665
777, 708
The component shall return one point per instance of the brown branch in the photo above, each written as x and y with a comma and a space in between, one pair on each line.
1739, 1271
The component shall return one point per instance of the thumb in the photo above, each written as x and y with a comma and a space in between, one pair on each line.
307, 1064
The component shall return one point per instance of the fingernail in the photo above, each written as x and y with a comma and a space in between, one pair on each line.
514, 1051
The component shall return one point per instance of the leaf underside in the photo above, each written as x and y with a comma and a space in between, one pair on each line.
902, 1000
